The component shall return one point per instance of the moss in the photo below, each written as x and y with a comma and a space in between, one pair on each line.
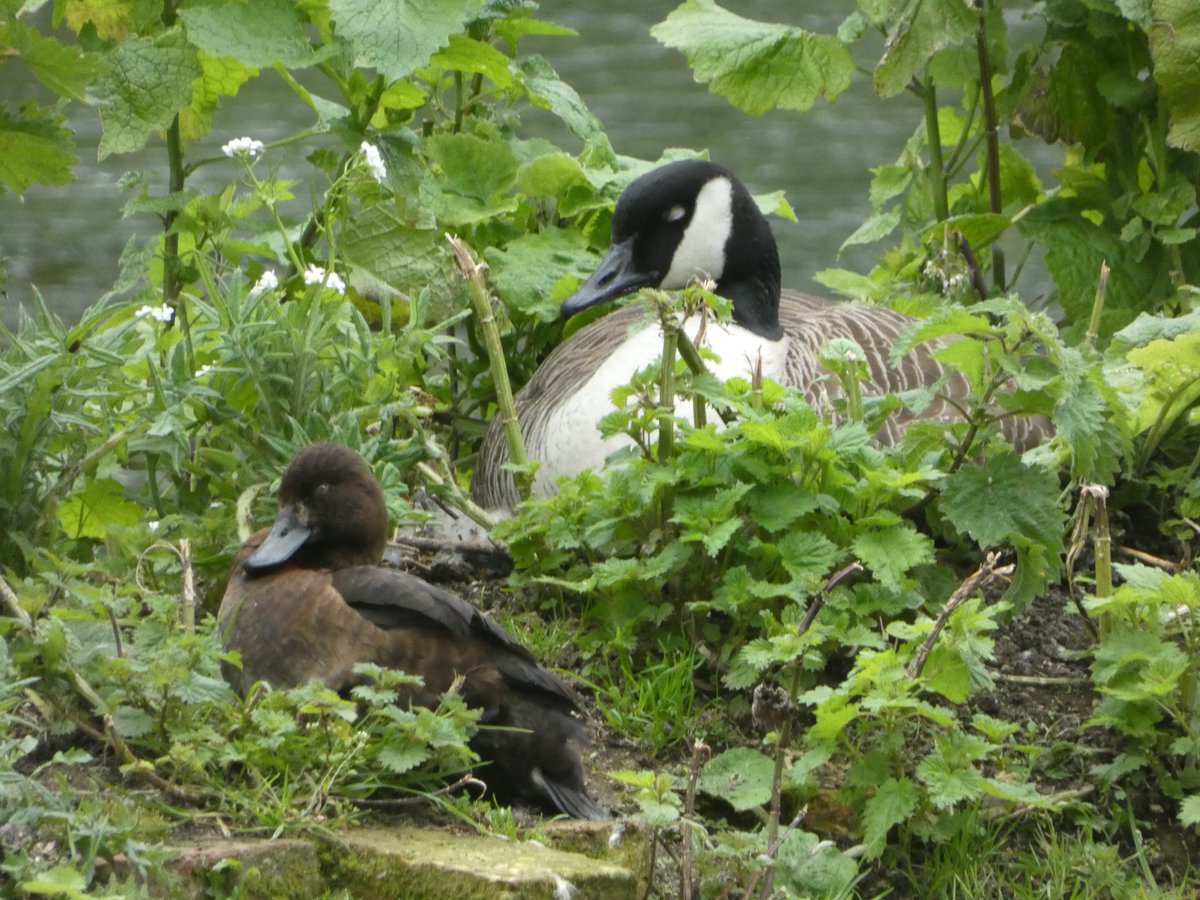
431, 863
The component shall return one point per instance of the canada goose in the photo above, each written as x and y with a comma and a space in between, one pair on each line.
307, 600
681, 221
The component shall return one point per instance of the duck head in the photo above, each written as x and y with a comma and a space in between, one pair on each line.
331, 514
685, 220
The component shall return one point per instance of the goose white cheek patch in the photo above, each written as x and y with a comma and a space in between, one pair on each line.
701, 253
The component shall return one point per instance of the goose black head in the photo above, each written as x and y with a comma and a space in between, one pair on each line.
685, 220
331, 513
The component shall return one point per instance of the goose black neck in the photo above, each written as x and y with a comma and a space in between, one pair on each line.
751, 279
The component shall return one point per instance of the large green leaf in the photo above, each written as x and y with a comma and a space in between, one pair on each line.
741, 777
35, 148
145, 85
1175, 47
397, 37
922, 29
1004, 499
257, 34
756, 65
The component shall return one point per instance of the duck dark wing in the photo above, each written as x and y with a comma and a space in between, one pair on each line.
529, 737
394, 601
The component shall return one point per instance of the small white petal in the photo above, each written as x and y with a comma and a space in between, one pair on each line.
374, 161
203, 370
267, 281
244, 147
153, 525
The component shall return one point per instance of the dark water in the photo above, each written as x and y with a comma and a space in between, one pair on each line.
66, 242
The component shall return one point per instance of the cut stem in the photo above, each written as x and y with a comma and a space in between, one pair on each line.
482, 303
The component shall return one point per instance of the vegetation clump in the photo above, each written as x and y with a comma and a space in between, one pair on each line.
796, 624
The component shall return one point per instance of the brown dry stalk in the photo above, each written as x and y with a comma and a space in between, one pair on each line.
987, 570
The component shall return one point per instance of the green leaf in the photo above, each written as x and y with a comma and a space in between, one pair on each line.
399, 757
894, 803
35, 148
1004, 499
806, 866
397, 37
469, 55
949, 780
56, 882
64, 68
807, 555
757, 66
522, 271
131, 722
479, 174
258, 34
742, 777
99, 506
923, 28
142, 89
1189, 810
891, 552
1175, 47
548, 91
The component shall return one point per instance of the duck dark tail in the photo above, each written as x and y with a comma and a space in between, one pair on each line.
532, 754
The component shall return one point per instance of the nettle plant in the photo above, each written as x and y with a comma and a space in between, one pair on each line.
735, 540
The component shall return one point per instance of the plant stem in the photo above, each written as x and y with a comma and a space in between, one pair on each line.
933, 137
666, 413
1093, 329
991, 133
495, 350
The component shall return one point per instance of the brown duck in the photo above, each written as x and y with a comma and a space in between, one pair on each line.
307, 600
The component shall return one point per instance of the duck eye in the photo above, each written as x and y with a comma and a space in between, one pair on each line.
675, 213
322, 489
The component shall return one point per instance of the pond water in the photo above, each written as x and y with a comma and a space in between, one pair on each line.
67, 242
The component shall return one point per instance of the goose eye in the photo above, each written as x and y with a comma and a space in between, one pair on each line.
675, 213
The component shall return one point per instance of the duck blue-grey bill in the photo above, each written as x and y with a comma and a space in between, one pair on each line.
615, 277
287, 535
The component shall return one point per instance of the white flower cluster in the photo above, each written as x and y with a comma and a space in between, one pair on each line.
267, 281
244, 148
314, 274
374, 161
162, 313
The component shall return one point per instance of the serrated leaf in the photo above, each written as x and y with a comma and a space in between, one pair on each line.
923, 28
35, 148
548, 91
397, 37
523, 272
757, 66
806, 866
257, 35
1175, 47
949, 781
64, 68
742, 777
1004, 499
131, 722
894, 803
807, 555
92, 511
891, 552
1189, 810
465, 54
399, 758
144, 86
779, 506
